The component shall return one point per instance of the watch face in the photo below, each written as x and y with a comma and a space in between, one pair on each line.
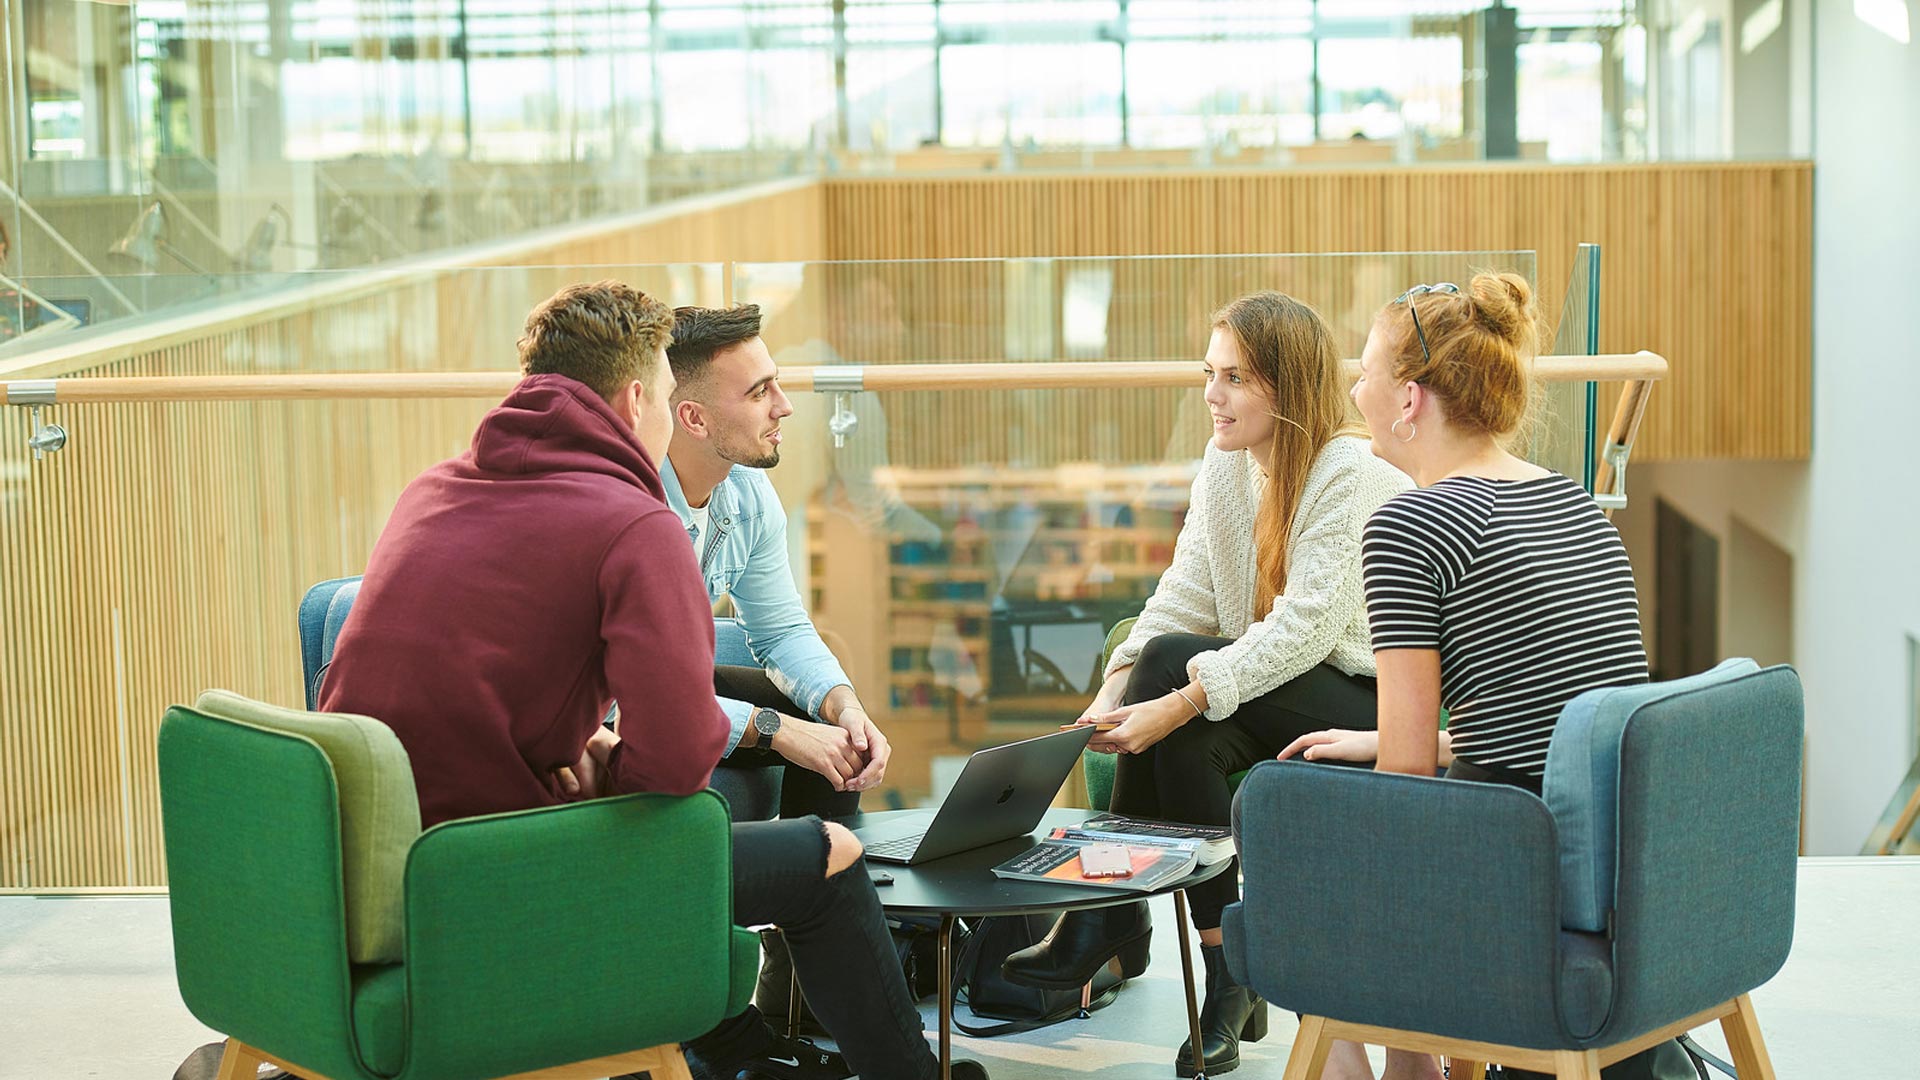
766, 721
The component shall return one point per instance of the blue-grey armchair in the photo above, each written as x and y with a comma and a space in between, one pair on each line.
751, 794
1646, 894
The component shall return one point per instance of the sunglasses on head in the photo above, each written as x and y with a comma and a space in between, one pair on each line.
1447, 287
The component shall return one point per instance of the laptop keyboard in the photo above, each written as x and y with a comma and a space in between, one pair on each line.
901, 847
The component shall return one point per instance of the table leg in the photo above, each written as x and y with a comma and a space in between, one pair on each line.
1186, 976
793, 995
946, 996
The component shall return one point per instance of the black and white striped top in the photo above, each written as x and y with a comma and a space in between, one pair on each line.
1524, 588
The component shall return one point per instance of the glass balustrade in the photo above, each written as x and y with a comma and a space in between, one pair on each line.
964, 548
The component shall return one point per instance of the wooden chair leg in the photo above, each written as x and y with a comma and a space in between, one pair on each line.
1742, 1030
1578, 1065
1309, 1056
240, 1061
672, 1065
663, 1062
1462, 1069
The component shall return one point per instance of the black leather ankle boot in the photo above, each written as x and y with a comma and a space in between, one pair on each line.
1232, 1013
1076, 947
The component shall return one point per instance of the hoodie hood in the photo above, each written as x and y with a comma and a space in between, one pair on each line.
553, 424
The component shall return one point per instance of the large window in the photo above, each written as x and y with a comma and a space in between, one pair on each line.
279, 135
1557, 105
1262, 94
1378, 88
1065, 95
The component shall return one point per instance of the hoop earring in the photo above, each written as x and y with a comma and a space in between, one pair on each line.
1411, 430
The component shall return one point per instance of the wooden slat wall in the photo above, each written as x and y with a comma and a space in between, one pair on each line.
165, 550
1708, 264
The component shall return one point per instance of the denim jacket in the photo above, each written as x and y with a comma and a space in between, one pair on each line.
745, 557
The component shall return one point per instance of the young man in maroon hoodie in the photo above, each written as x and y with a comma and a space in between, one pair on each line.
520, 588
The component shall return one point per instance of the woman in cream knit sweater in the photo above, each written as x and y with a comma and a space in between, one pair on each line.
1256, 635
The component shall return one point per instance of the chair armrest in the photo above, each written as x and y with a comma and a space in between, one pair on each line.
572, 932
1401, 901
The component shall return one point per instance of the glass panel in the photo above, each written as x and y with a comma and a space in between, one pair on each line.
1564, 434
164, 549
969, 549
965, 550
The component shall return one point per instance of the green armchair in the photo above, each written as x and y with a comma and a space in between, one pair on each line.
319, 928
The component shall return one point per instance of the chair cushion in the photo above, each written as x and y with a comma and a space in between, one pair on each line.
1582, 787
380, 1017
379, 812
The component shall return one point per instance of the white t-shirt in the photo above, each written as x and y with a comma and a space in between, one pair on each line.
700, 522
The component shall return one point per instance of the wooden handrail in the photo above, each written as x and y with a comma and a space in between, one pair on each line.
1639, 369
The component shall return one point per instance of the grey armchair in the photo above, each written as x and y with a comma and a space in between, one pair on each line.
1647, 892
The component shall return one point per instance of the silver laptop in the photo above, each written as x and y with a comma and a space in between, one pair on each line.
1002, 793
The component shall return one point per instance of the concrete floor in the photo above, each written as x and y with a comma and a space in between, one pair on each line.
86, 990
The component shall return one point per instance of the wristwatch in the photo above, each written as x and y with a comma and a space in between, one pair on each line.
767, 722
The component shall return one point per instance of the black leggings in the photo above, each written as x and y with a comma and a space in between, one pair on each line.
1184, 776
802, 791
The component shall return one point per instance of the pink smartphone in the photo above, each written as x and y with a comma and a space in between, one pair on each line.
1105, 861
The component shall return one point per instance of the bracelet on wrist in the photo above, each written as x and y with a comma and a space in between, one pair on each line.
1197, 710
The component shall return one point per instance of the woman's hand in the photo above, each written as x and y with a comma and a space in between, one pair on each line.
1140, 726
1334, 744
1108, 697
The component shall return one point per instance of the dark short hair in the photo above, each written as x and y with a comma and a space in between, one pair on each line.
700, 332
605, 334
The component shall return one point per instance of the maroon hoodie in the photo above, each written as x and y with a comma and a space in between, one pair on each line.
516, 590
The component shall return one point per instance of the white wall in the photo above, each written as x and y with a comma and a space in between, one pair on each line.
1850, 518
1858, 592
1766, 499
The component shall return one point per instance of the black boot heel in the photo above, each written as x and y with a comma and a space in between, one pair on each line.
1255, 1028
1132, 958
1080, 944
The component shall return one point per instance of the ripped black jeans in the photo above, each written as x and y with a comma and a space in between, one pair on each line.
848, 969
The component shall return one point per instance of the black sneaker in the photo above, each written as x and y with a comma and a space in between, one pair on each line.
796, 1059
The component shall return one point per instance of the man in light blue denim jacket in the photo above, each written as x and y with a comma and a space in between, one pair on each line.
798, 707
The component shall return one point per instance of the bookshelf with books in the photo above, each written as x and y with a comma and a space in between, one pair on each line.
975, 602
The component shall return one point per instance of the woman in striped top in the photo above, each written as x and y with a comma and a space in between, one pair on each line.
1496, 589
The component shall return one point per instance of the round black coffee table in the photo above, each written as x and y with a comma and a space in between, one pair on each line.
964, 885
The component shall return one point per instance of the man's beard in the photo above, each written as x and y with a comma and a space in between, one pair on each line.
750, 456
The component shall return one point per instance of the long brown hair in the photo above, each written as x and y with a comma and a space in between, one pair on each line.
1287, 347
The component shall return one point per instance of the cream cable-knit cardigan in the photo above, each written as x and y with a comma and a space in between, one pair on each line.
1209, 589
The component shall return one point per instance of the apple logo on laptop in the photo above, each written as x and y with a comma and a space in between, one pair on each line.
1004, 796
